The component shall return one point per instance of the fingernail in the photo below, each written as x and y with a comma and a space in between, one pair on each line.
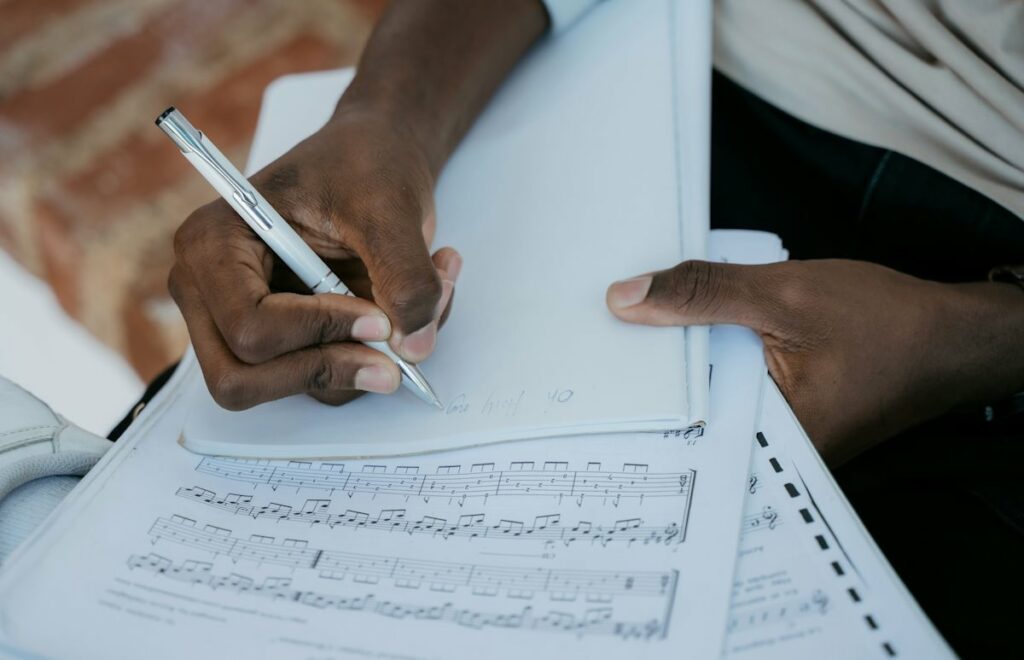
376, 379
454, 267
420, 344
371, 328
629, 292
447, 286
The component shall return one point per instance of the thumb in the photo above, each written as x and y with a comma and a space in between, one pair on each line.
692, 293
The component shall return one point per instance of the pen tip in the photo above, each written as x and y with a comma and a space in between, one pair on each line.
431, 395
412, 378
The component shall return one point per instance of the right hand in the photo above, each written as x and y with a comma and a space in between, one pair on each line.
361, 194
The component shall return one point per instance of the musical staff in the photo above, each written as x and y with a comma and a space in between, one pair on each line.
450, 481
589, 620
817, 603
544, 528
562, 584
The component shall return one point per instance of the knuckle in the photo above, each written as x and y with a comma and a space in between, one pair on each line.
695, 285
191, 232
328, 325
415, 302
230, 390
279, 183
328, 373
248, 340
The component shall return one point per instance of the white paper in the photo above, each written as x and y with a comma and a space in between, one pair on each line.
810, 582
163, 553
567, 182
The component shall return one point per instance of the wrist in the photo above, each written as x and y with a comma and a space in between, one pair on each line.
981, 342
357, 112
383, 138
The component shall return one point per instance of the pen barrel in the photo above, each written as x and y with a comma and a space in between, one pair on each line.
332, 284
266, 222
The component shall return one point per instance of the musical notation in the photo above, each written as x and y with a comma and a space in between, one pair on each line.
590, 620
753, 483
559, 584
450, 481
817, 603
544, 528
690, 432
766, 518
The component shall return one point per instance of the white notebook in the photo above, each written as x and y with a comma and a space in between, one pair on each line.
568, 181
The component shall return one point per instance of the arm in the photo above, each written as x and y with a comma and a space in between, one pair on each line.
431, 66
360, 192
860, 351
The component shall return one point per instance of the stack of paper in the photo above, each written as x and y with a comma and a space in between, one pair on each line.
602, 542
591, 546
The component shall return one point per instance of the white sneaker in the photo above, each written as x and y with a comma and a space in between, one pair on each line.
37, 442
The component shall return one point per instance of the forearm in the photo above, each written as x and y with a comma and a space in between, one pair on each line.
985, 346
431, 65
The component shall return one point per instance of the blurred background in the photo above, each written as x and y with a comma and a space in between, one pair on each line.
91, 192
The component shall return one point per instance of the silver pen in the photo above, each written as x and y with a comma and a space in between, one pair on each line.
273, 229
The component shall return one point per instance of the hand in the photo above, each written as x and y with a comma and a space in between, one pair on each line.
860, 351
361, 194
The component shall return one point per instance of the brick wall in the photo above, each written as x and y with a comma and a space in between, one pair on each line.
90, 194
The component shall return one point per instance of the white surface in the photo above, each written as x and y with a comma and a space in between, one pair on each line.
152, 614
50, 355
568, 181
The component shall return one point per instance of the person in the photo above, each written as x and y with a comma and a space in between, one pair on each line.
883, 140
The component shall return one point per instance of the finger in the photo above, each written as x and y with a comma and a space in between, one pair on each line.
230, 268
448, 263
692, 293
405, 284
326, 371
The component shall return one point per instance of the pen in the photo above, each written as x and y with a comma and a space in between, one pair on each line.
273, 229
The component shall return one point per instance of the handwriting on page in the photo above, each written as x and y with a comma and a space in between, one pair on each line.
508, 404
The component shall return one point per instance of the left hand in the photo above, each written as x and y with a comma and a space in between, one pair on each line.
860, 351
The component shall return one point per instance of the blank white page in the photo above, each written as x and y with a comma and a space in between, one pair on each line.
567, 182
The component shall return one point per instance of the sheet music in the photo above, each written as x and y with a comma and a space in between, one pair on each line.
539, 179
809, 580
579, 546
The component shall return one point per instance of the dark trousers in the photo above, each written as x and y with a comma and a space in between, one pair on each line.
945, 501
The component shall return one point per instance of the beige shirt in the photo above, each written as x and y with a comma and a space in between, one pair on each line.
941, 81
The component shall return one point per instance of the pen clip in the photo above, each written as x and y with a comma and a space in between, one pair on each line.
190, 139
